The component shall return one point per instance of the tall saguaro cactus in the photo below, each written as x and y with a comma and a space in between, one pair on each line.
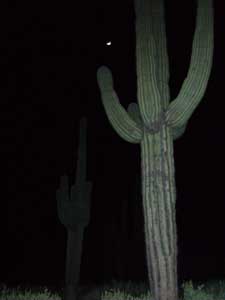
74, 213
155, 123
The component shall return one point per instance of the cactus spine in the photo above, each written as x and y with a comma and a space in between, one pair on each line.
155, 123
73, 207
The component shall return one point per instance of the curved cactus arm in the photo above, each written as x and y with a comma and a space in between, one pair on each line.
129, 130
162, 60
194, 86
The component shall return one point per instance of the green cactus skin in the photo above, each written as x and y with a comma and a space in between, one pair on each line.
155, 123
74, 213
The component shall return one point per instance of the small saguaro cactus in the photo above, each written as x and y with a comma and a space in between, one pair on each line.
154, 123
73, 206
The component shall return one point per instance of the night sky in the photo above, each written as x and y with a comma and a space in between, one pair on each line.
51, 52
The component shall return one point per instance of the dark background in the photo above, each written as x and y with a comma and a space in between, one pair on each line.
51, 52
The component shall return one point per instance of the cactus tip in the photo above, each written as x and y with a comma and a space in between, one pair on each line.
104, 77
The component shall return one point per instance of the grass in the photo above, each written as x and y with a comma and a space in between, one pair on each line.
114, 290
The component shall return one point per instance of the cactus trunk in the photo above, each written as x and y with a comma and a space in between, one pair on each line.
158, 195
73, 261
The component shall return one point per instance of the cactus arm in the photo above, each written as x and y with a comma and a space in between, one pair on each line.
162, 60
120, 120
194, 86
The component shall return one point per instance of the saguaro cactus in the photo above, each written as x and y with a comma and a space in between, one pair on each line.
74, 213
155, 123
